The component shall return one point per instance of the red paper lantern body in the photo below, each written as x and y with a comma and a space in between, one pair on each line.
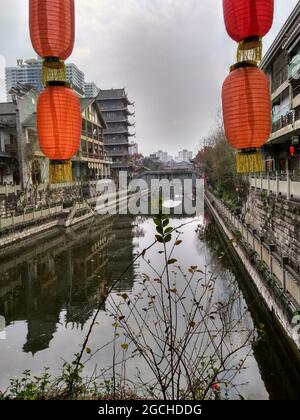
247, 108
248, 18
52, 27
59, 123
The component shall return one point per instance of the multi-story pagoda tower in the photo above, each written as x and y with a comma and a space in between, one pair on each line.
115, 107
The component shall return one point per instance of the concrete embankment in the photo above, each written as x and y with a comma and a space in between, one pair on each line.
280, 303
39, 222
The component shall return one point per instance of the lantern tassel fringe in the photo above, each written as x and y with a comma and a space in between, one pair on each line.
60, 172
247, 163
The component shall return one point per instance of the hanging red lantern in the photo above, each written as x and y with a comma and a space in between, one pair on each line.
52, 27
292, 151
248, 18
59, 122
247, 108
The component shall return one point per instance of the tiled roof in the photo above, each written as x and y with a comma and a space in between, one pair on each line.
30, 121
111, 94
7, 108
85, 102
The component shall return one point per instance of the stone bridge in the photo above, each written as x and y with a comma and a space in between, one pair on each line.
169, 174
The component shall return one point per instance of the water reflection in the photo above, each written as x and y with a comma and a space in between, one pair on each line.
68, 272
49, 290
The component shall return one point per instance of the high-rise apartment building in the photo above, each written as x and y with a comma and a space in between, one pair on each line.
91, 90
184, 156
29, 72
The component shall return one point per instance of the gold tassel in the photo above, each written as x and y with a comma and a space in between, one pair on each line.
247, 163
250, 50
54, 71
60, 172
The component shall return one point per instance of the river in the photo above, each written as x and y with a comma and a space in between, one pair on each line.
51, 287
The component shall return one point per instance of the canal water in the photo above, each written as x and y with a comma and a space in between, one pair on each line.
50, 289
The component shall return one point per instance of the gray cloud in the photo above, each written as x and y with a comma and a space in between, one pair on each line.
171, 55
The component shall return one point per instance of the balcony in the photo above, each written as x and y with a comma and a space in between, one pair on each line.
283, 121
112, 131
294, 66
93, 156
90, 135
113, 108
9, 151
279, 78
114, 142
122, 153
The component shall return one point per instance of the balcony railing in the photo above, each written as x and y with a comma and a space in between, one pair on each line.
117, 152
93, 156
294, 66
11, 148
113, 142
279, 78
114, 108
283, 121
90, 135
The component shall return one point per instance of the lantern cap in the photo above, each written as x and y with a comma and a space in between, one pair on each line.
58, 83
242, 65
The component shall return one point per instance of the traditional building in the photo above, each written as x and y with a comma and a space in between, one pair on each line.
21, 161
91, 162
282, 65
9, 168
24, 163
115, 105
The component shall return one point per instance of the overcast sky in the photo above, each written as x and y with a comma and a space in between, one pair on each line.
171, 55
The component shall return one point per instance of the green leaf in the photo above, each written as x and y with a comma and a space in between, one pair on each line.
172, 261
124, 346
160, 230
157, 221
159, 239
178, 243
168, 238
166, 222
88, 350
169, 230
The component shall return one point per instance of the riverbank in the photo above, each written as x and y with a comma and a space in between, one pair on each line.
281, 305
17, 229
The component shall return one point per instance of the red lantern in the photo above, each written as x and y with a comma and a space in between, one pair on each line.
52, 27
248, 18
59, 122
247, 108
292, 151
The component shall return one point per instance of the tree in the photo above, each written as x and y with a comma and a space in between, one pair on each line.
217, 161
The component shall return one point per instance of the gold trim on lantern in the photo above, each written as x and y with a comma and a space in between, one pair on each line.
250, 50
53, 71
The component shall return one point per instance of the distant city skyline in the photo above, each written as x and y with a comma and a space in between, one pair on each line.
180, 156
